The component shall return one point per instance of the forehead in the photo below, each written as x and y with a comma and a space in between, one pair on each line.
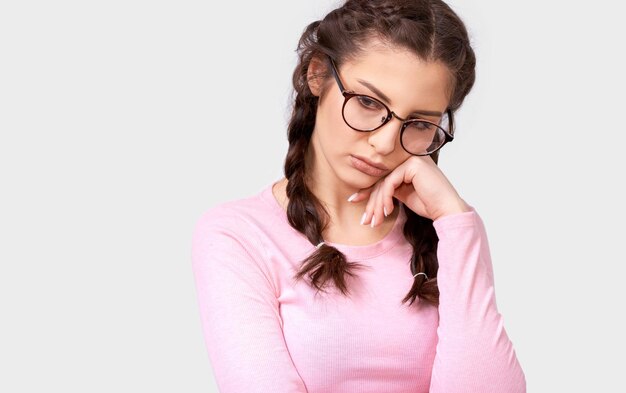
409, 82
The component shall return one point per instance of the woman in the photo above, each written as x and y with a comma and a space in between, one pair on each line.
362, 270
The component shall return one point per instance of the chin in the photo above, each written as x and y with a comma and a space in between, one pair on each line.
357, 179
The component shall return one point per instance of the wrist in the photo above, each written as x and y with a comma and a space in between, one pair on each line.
459, 206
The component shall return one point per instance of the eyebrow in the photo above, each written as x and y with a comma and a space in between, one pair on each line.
388, 101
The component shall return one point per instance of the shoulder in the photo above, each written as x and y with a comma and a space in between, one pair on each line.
226, 241
237, 214
242, 219
223, 233
230, 214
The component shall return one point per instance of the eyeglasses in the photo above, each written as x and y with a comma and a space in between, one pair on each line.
417, 136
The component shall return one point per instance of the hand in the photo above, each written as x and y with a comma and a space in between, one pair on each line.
420, 185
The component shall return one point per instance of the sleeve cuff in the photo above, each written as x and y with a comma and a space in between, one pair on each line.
464, 219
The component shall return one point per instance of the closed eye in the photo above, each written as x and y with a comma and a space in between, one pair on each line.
369, 103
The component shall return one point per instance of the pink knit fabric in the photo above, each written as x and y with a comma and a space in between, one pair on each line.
264, 332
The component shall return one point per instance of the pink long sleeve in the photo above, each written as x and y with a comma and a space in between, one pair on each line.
266, 332
474, 353
239, 311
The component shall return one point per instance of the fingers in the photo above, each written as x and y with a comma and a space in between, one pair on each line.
417, 182
398, 184
370, 194
371, 218
381, 194
382, 202
379, 206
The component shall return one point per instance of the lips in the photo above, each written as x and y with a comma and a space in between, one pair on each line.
375, 165
366, 168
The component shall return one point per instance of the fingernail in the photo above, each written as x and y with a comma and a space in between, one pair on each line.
385, 211
373, 221
363, 218
353, 196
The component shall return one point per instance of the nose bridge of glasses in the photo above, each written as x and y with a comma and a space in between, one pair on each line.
386, 120
392, 113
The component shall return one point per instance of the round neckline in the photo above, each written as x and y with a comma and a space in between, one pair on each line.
361, 252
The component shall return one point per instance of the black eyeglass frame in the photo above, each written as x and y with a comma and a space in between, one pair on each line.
449, 137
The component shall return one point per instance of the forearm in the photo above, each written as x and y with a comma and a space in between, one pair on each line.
474, 353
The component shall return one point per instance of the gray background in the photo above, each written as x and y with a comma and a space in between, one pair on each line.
121, 122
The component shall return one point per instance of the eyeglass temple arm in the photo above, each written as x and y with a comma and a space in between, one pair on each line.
333, 67
450, 134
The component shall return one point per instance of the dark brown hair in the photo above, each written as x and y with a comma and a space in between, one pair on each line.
432, 31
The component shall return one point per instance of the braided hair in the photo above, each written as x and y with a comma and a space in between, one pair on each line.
431, 30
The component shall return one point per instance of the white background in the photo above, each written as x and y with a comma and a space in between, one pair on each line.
121, 122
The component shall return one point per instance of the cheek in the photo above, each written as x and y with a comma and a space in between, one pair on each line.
337, 134
340, 130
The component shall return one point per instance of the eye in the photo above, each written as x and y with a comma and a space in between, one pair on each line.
420, 125
369, 103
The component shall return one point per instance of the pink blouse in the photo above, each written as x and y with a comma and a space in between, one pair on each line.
264, 332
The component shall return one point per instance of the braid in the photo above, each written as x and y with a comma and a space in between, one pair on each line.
434, 32
421, 234
303, 214
304, 211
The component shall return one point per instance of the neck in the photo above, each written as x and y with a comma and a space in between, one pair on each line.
345, 217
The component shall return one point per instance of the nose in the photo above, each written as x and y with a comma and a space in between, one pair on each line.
386, 138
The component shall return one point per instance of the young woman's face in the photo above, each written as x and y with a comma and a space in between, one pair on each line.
409, 85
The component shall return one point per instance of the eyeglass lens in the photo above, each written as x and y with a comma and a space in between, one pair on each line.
419, 137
